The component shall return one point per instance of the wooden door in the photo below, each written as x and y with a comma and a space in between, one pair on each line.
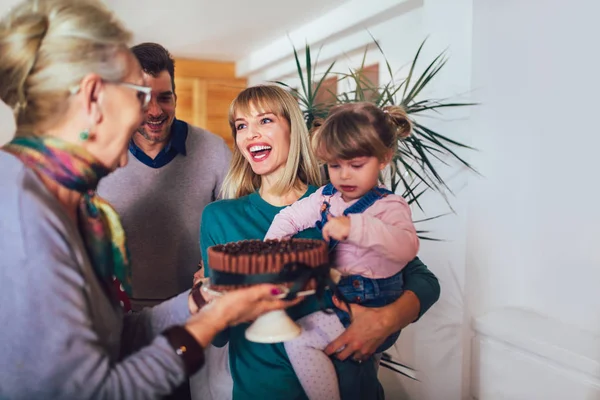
205, 89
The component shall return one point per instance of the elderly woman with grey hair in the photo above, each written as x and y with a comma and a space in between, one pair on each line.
78, 96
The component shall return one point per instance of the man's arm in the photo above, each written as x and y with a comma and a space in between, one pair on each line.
419, 280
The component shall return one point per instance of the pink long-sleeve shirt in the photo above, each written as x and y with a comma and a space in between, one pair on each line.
381, 242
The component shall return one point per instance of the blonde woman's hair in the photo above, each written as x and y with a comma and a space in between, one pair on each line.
360, 130
301, 167
47, 47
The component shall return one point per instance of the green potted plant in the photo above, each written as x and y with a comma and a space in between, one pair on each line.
412, 169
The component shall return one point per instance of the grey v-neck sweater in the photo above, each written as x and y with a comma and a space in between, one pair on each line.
161, 210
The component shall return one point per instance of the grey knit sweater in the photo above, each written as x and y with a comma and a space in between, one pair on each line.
60, 337
161, 210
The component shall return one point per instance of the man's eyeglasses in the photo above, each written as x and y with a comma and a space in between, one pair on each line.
144, 93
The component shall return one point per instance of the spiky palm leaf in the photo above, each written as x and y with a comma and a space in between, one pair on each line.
391, 364
417, 156
310, 86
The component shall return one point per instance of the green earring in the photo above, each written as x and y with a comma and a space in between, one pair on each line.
85, 135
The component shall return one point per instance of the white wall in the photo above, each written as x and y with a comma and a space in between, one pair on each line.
534, 219
7, 124
444, 335
396, 24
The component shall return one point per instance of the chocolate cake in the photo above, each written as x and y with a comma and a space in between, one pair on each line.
251, 257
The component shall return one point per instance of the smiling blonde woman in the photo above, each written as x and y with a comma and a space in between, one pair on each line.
273, 167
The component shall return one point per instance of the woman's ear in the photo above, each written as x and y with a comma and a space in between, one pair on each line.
91, 89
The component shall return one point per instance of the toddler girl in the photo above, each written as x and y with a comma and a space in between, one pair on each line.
369, 229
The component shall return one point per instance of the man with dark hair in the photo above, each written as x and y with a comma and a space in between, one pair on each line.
174, 171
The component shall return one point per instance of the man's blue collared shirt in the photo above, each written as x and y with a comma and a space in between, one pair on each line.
176, 145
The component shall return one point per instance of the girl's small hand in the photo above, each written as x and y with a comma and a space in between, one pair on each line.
337, 228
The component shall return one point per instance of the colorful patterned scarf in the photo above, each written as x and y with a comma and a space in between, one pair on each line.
74, 168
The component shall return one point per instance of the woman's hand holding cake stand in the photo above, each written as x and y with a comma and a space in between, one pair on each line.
233, 308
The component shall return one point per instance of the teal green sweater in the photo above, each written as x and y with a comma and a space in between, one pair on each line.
263, 371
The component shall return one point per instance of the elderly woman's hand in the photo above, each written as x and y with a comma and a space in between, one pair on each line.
371, 326
245, 305
233, 308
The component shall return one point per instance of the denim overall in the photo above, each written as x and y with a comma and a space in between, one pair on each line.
358, 289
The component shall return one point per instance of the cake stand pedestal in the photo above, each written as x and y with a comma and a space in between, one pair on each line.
272, 327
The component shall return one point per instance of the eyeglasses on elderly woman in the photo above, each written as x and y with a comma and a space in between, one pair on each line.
144, 93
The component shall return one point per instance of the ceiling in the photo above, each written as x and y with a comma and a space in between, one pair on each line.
225, 30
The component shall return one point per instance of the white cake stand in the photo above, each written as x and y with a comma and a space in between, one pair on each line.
274, 326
